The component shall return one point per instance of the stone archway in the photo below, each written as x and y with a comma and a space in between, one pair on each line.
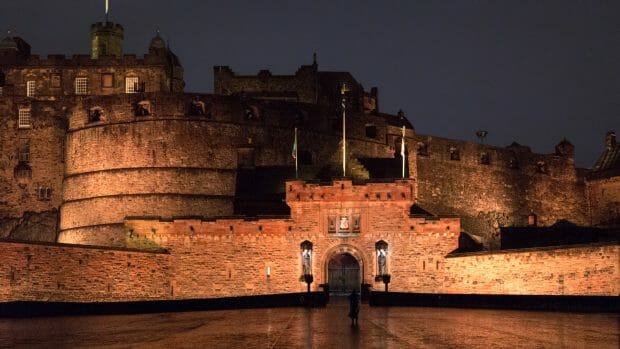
344, 269
343, 273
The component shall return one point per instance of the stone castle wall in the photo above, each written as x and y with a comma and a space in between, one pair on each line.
604, 200
172, 164
489, 196
55, 75
31, 167
52, 272
303, 84
569, 270
237, 257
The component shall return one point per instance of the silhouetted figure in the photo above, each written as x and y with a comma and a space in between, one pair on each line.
354, 307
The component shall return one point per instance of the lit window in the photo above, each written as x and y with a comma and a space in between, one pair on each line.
44, 193
30, 88
81, 86
24, 118
131, 84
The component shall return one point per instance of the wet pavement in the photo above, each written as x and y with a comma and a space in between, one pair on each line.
329, 327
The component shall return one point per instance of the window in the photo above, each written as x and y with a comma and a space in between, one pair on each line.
23, 154
485, 159
24, 118
422, 149
94, 114
454, 154
55, 81
541, 167
81, 86
44, 193
107, 80
143, 108
371, 131
30, 88
131, 84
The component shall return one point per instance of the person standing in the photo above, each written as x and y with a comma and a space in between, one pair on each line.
354, 307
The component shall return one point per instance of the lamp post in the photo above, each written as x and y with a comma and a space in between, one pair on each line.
386, 280
308, 278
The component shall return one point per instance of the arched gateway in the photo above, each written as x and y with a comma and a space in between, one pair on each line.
345, 270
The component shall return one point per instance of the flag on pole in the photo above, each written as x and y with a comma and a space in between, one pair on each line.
294, 152
294, 149
402, 150
344, 130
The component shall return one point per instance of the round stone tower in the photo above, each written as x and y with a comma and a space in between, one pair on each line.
106, 39
162, 164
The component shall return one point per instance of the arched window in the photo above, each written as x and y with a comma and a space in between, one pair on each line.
381, 248
306, 258
94, 114
143, 108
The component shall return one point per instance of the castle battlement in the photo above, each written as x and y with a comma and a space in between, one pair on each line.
398, 190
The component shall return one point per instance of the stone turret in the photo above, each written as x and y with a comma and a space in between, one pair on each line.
106, 39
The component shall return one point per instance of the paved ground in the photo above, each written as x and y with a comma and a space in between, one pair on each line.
320, 328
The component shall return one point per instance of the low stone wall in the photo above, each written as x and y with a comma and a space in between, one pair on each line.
571, 270
52, 272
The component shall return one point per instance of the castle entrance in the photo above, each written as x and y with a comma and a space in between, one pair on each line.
344, 275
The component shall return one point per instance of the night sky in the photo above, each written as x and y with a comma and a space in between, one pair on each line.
526, 71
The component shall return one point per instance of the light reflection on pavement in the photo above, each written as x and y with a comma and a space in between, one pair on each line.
329, 327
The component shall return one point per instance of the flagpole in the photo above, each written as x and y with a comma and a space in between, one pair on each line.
344, 132
402, 150
296, 168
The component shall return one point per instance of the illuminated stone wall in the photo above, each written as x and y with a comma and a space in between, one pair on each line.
29, 199
570, 270
236, 257
45, 272
490, 196
604, 200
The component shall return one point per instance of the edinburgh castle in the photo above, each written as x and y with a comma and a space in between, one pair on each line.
144, 191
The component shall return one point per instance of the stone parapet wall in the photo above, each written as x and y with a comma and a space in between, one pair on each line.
592, 270
41, 272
